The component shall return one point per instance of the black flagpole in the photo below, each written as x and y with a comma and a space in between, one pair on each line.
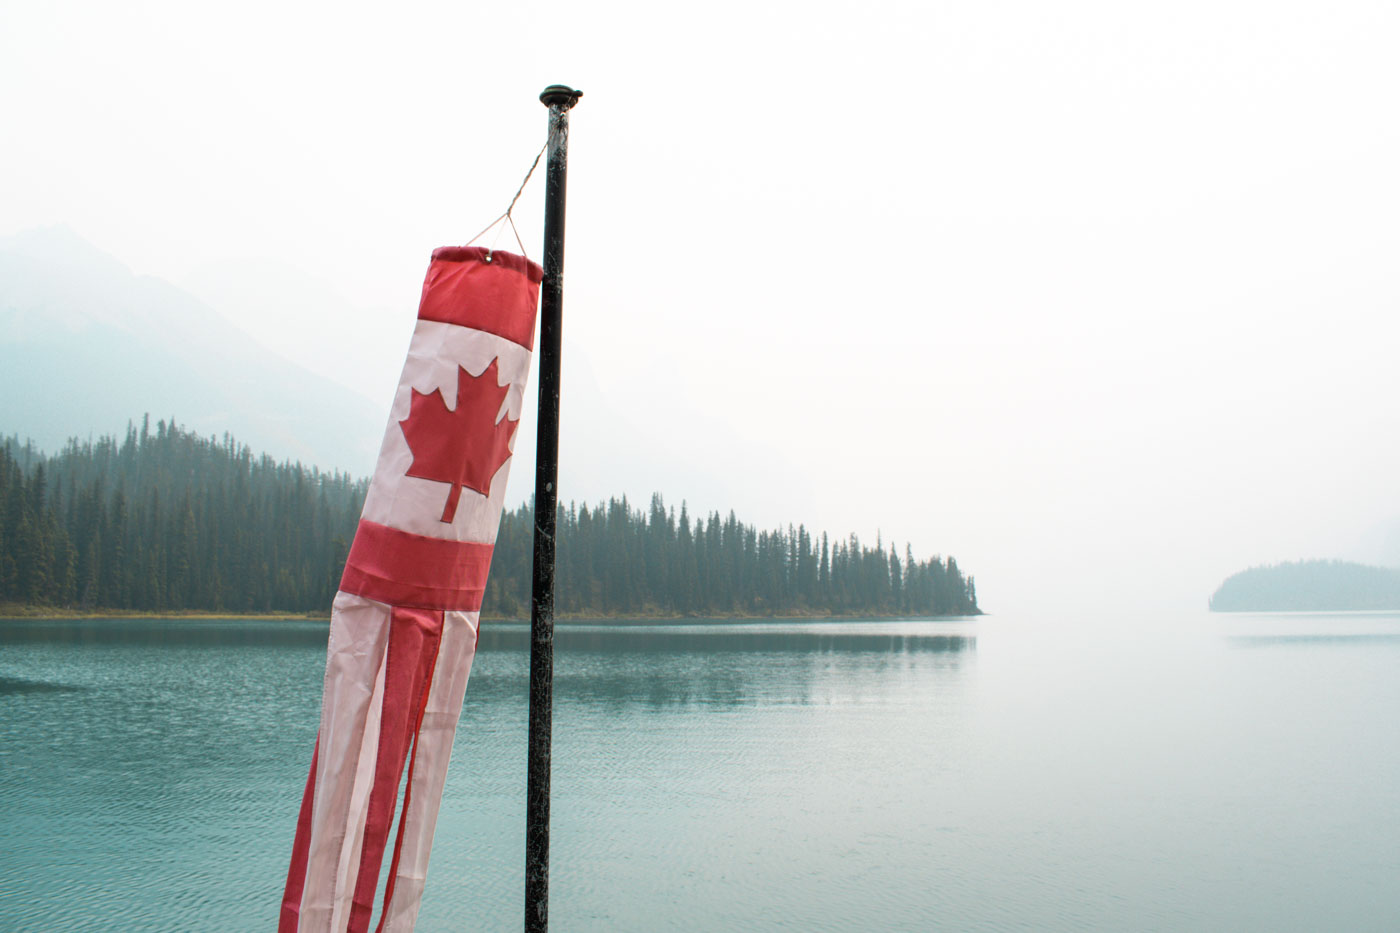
559, 99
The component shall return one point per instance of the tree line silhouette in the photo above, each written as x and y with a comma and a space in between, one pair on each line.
167, 520
1309, 586
164, 519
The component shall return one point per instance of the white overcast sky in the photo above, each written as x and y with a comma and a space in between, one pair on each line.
1101, 298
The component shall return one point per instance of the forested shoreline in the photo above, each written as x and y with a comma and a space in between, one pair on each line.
164, 520
1309, 586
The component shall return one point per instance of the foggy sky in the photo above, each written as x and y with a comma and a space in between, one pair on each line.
1100, 298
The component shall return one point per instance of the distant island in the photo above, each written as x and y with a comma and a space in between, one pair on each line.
164, 521
1309, 586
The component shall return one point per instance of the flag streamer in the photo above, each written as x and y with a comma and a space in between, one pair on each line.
404, 624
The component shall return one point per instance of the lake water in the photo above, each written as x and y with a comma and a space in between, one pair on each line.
1187, 773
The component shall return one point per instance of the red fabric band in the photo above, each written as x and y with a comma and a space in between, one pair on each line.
301, 851
498, 297
414, 638
408, 784
404, 569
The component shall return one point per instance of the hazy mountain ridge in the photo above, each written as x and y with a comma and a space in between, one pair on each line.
1309, 586
86, 342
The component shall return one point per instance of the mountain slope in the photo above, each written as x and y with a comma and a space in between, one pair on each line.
84, 343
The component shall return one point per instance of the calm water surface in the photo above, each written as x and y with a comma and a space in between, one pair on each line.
1189, 773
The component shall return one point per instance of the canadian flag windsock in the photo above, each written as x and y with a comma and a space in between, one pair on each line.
404, 624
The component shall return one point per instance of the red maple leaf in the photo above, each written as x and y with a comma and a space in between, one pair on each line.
462, 447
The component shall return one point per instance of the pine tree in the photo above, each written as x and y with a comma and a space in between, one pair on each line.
165, 520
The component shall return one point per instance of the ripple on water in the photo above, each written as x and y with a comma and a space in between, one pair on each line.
10, 686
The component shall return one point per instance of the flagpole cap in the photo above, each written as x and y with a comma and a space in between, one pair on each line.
560, 95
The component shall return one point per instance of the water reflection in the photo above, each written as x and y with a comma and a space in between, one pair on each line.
1312, 629
711, 639
651, 664
174, 633
1318, 638
713, 665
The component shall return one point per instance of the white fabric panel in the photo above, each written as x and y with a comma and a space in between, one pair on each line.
445, 696
415, 505
350, 712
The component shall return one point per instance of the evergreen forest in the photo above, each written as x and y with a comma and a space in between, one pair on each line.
1309, 586
165, 520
